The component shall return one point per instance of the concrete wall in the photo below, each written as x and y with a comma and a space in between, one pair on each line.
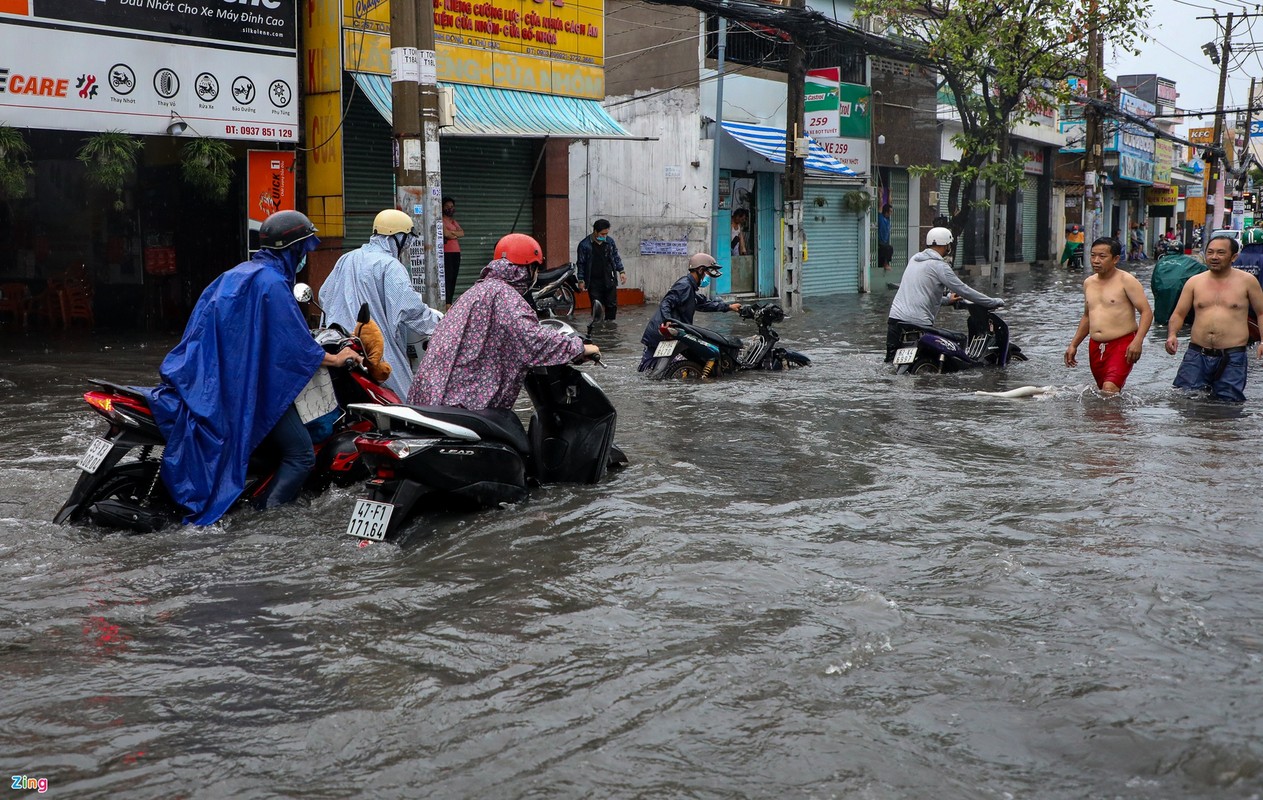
649, 190
649, 47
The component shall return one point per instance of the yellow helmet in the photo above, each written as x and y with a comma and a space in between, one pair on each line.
392, 221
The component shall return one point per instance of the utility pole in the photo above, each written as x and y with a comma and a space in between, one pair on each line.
795, 175
1092, 137
1215, 153
415, 103
716, 237
1243, 163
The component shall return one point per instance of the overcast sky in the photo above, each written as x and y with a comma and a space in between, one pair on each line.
1174, 51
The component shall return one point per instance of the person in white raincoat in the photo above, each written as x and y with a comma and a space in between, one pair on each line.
375, 274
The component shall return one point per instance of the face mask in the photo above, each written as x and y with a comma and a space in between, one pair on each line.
601, 239
302, 262
705, 282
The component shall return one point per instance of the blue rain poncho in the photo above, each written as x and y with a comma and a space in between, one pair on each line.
373, 275
245, 356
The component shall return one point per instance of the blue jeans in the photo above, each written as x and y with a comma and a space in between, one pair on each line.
1224, 374
290, 436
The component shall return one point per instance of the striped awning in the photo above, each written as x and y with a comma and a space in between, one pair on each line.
484, 111
770, 143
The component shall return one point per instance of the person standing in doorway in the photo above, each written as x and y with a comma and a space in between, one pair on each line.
452, 234
740, 219
885, 252
597, 266
1112, 301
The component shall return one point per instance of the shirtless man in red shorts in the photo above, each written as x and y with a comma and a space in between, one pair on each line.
1112, 298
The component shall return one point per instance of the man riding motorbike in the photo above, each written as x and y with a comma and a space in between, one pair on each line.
682, 301
376, 274
480, 352
928, 283
231, 382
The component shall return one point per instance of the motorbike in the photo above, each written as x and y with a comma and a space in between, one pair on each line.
439, 457
555, 292
120, 484
688, 351
933, 350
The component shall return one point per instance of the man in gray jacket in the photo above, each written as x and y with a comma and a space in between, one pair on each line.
928, 282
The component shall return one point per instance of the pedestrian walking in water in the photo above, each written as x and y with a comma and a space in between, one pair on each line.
599, 268
1216, 356
1112, 299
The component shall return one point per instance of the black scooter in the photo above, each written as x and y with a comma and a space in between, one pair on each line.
430, 457
687, 351
555, 292
933, 350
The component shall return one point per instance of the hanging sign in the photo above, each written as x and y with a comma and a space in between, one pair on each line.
821, 103
269, 187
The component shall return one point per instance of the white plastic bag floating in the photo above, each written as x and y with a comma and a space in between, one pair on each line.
317, 398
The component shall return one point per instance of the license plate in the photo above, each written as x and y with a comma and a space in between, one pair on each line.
905, 355
665, 348
370, 520
97, 451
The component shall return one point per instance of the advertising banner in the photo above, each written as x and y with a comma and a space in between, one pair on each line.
821, 102
1201, 135
269, 187
851, 152
226, 70
526, 45
854, 119
1162, 196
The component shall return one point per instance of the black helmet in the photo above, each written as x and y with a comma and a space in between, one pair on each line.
284, 228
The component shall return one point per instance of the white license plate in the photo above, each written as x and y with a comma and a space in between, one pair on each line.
370, 520
665, 348
905, 355
97, 451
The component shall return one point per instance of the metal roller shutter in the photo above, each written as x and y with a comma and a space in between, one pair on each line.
899, 217
367, 171
833, 242
490, 180
1030, 217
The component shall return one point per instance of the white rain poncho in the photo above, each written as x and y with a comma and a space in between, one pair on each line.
373, 275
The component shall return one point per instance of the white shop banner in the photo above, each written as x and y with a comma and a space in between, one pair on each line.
851, 152
226, 71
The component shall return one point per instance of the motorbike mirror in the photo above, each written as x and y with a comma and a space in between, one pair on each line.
303, 293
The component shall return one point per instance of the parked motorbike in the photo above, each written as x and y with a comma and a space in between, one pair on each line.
429, 457
121, 487
554, 292
934, 350
688, 351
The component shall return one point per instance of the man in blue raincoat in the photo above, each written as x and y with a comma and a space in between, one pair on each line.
231, 382
375, 274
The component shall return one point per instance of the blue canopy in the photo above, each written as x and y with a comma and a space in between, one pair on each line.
770, 143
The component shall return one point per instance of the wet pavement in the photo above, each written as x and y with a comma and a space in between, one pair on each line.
833, 582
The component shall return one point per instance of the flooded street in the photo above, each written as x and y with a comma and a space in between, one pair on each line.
835, 582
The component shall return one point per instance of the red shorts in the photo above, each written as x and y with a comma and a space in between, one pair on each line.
1109, 360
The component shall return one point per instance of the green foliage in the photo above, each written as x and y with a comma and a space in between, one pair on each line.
15, 163
1000, 61
857, 202
111, 159
206, 165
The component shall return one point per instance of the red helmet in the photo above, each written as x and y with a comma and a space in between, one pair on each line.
520, 249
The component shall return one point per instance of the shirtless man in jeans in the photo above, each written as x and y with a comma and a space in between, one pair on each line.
1222, 297
1112, 298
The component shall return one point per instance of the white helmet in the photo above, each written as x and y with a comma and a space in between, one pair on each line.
938, 236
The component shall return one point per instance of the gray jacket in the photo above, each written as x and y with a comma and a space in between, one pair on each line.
924, 288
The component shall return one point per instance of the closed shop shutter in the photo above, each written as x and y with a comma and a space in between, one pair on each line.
899, 217
490, 180
833, 242
1030, 217
367, 170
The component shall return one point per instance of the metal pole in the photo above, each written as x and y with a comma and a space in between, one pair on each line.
1216, 145
795, 175
1092, 136
415, 123
715, 238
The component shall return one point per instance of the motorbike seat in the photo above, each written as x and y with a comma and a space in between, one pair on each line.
492, 424
711, 336
136, 392
954, 336
550, 275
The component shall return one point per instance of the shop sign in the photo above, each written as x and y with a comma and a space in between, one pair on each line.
655, 247
1201, 135
1163, 161
1075, 130
1032, 159
226, 70
1135, 169
269, 187
851, 152
1162, 196
554, 47
1194, 190
821, 103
